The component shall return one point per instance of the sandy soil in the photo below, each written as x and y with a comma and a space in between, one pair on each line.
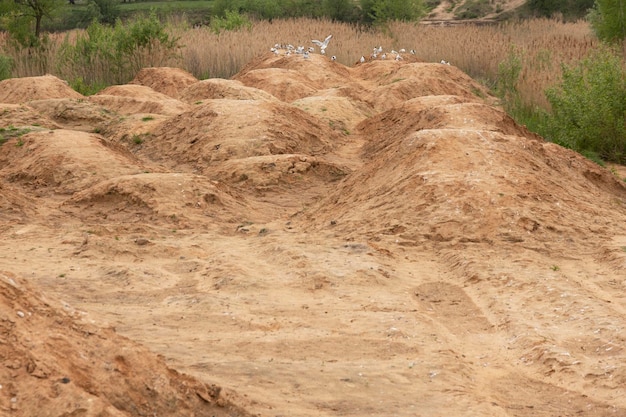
306, 239
445, 11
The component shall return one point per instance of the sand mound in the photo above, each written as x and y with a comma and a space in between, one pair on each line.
179, 199
65, 161
464, 173
285, 172
22, 90
388, 232
74, 114
285, 84
220, 130
165, 80
15, 206
217, 88
21, 116
338, 111
133, 130
318, 68
55, 361
400, 82
420, 113
137, 99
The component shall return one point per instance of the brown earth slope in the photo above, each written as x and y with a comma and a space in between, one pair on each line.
323, 240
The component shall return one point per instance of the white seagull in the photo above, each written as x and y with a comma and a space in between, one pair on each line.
322, 45
362, 60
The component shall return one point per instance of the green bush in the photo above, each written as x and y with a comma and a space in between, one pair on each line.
260, 9
608, 20
6, 67
509, 72
106, 55
379, 12
232, 20
366, 11
340, 10
589, 107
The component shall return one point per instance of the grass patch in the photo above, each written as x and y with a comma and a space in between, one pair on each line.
178, 6
10, 132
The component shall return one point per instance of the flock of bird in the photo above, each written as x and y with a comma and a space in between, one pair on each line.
377, 52
300, 50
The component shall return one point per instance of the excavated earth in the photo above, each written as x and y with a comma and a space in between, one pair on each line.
305, 239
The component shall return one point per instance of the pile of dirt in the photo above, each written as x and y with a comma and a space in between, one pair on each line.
137, 99
397, 82
473, 175
216, 131
74, 114
23, 117
177, 199
15, 205
311, 236
65, 161
22, 90
216, 88
165, 80
342, 113
318, 69
55, 360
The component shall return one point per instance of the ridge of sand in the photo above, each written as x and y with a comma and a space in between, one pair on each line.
321, 240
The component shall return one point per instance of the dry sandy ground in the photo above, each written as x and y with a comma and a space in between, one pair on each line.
314, 239
446, 9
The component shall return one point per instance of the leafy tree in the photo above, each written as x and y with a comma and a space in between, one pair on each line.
567, 9
589, 107
380, 12
109, 10
608, 19
23, 18
341, 10
6, 67
105, 55
231, 21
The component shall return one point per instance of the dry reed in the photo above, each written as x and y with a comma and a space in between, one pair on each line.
543, 45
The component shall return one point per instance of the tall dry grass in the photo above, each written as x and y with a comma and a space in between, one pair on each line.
543, 45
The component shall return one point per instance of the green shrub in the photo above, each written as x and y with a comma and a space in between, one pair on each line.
106, 55
260, 9
86, 89
589, 107
508, 75
6, 67
379, 12
232, 20
608, 20
340, 10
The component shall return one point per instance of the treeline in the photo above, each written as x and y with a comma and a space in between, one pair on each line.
351, 11
567, 9
380, 11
